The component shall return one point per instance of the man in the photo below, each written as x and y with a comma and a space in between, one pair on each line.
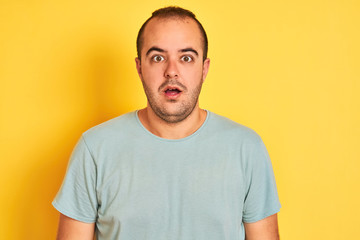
170, 170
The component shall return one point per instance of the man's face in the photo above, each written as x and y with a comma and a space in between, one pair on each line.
172, 69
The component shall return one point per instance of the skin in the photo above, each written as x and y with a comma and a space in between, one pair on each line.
71, 229
265, 229
172, 55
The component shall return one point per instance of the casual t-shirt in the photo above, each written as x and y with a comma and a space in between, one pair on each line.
136, 185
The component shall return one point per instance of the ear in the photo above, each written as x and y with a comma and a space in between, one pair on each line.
206, 66
138, 66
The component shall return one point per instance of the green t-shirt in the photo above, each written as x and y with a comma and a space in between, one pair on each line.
136, 185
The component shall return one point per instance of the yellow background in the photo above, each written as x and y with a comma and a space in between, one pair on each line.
288, 69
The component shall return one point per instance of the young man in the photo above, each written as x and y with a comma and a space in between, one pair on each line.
170, 170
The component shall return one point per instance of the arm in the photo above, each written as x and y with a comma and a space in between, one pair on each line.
72, 229
265, 229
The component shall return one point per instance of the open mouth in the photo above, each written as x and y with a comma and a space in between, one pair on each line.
172, 91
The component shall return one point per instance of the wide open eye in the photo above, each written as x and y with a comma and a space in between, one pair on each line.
158, 58
187, 58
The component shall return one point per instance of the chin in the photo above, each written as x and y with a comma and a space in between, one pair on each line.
171, 119
175, 116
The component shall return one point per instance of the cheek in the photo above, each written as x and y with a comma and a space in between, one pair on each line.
152, 72
192, 74
152, 78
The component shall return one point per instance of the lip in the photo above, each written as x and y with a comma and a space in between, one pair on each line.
172, 94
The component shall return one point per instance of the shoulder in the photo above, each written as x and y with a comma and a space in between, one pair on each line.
231, 130
118, 127
238, 139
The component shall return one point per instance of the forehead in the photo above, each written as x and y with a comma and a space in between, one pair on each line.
172, 33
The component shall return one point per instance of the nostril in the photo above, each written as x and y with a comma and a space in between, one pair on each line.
171, 75
171, 70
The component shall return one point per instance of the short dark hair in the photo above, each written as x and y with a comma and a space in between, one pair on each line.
171, 12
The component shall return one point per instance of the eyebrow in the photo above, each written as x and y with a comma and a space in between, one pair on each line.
189, 50
162, 50
154, 49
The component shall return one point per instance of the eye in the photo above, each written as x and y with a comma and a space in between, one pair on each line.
187, 58
157, 58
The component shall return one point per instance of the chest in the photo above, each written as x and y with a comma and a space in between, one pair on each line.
157, 186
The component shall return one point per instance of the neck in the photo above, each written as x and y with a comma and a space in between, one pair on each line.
162, 129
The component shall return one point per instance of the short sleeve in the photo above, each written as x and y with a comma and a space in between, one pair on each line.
261, 198
77, 197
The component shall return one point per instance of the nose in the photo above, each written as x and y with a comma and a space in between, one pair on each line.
171, 70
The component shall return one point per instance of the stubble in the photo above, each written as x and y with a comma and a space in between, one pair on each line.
184, 107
